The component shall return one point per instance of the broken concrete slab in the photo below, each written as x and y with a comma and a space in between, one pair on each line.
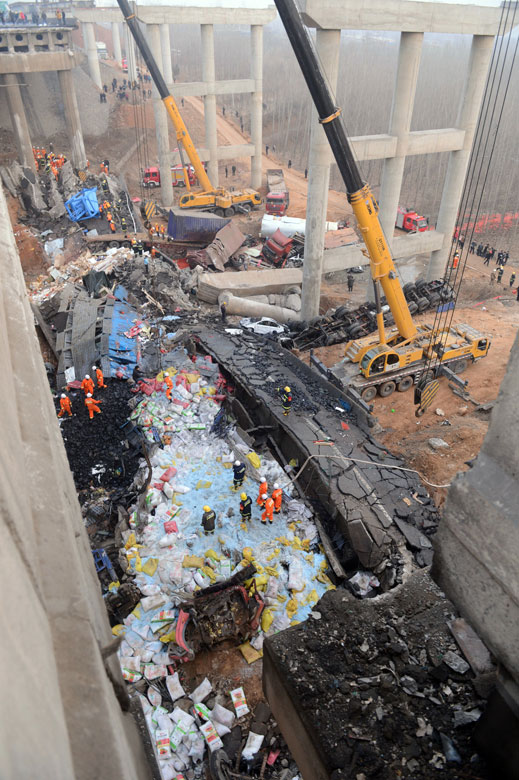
415, 538
370, 554
245, 283
471, 646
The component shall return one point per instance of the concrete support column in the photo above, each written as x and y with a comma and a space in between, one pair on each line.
72, 120
327, 42
208, 76
165, 42
256, 36
116, 40
131, 54
161, 123
399, 126
19, 120
480, 55
91, 50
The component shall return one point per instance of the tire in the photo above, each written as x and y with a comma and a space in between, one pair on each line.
434, 298
386, 389
126, 244
113, 244
422, 303
409, 288
315, 321
341, 312
356, 332
229, 212
219, 212
459, 366
413, 307
369, 393
246, 207
405, 384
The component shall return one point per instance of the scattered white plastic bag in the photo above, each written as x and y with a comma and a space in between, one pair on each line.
296, 580
131, 668
254, 742
154, 671
174, 687
162, 744
221, 730
222, 715
196, 752
202, 691
240, 702
154, 697
211, 737
153, 602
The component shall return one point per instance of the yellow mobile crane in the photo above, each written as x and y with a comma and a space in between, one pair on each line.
407, 354
216, 199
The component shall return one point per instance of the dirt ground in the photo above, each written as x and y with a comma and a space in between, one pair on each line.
491, 310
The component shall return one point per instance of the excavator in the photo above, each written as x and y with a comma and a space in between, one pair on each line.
408, 354
216, 199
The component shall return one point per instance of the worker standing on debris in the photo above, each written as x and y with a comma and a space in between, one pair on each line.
286, 400
91, 405
87, 385
277, 497
65, 406
223, 310
500, 272
245, 507
169, 386
350, 281
263, 489
124, 226
239, 474
99, 376
268, 514
512, 279
162, 231
208, 519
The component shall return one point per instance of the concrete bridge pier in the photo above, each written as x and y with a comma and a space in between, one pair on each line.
22, 136
72, 121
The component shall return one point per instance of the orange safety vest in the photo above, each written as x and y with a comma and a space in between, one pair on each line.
277, 496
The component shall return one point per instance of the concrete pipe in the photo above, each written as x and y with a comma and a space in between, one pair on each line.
247, 308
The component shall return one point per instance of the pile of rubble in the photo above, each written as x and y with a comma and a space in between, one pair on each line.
393, 673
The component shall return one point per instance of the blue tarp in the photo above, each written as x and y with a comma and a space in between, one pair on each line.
84, 205
122, 351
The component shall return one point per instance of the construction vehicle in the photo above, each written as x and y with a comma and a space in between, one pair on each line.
411, 221
151, 176
408, 354
278, 198
217, 199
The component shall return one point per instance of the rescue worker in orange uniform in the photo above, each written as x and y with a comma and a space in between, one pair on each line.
277, 497
269, 510
91, 405
87, 385
112, 227
263, 488
99, 376
65, 406
162, 231
169, 385
153, 252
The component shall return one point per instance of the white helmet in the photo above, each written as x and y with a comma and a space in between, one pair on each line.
94, 368
276, 485
89, 395
87, 376
264, 496
63, 395
237, 463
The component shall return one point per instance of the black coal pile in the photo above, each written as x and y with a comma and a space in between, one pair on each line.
383, 686
97, 449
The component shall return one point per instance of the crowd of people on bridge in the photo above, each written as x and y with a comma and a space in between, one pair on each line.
19, 18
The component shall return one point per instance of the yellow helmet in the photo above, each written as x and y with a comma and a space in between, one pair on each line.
287, 389
243, 496
207, 508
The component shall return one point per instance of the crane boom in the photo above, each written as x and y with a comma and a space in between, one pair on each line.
171, 107
360, 196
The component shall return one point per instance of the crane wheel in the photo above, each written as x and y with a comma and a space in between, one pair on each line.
369, 393
386, 388
459, 366
405, 384
229, 212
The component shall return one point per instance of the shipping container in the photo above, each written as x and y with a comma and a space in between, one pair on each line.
194, 225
